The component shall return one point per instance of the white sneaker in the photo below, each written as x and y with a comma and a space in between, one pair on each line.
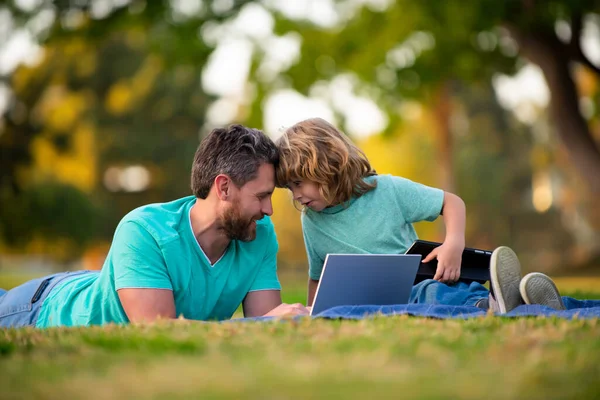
538, 288
505, 275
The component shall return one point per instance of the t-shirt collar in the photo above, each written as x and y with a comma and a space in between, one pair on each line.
337, 208
341, 207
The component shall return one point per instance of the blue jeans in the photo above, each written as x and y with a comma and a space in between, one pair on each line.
20, 306
464, 294
458, 294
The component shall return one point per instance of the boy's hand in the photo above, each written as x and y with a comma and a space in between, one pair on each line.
449, 256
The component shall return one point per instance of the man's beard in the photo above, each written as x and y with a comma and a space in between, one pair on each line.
237, 227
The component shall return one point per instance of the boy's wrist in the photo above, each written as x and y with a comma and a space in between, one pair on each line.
456, 240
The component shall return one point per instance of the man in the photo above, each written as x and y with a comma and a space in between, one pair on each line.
198, 257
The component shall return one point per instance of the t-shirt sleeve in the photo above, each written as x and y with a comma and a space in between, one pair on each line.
267, 279
137, 259
417, 201
315, 263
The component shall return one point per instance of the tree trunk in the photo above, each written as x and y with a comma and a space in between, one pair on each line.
443, 112
549, 54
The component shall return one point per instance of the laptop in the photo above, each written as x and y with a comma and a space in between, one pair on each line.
475, 265
365, 279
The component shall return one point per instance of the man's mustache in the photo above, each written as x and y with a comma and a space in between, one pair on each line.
256, 219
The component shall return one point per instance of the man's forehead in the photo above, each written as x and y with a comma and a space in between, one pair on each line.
264, 181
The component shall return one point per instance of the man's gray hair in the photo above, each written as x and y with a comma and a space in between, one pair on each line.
235, 151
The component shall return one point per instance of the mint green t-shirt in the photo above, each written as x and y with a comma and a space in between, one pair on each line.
154, 247
378, 222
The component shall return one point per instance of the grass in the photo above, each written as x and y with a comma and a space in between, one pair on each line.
379, 358
384, 357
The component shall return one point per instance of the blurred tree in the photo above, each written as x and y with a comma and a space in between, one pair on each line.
408, 49
50, 218
114, 101
118, 88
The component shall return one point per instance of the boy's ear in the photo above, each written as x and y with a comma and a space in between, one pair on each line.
223, 186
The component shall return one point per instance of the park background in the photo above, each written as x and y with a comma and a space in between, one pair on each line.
103, 103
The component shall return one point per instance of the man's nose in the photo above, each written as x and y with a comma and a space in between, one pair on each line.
267, 209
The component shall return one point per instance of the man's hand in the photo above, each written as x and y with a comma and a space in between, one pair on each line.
449, 256
288, 310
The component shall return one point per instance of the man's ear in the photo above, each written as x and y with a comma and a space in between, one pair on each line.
223, 185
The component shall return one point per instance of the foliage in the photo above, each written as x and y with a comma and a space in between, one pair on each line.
120, 87
49, 218
430, 50
114, 92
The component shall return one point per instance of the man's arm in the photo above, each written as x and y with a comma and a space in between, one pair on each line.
260, 302
141, 278
268, 303
147, 305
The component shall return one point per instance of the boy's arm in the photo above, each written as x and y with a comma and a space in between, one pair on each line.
455, 217
449, 254
312, 290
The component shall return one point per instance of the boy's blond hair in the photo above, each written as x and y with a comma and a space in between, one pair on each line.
315, 150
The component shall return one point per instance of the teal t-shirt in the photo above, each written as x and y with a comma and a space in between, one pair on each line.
378, 222
154, 247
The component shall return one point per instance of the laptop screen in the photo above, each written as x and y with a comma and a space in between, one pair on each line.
365, 279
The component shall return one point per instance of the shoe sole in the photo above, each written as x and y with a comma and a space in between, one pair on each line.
537, 288
505, 275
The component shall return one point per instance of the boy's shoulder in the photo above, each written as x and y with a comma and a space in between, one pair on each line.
398, 182
386, 184
390, 180
412, 194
